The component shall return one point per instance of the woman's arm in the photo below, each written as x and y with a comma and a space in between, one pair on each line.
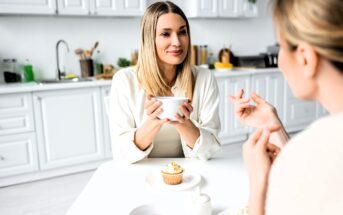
260, 115
200, 127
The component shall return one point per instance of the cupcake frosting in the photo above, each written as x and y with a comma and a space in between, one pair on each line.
172, 168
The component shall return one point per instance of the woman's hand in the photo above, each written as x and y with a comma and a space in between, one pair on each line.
260, 115
259, 155
186, 109
153, 109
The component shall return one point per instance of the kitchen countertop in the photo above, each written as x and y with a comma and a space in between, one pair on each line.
33, 86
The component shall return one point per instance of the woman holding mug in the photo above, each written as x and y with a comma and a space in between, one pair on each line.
306, 176
164, 69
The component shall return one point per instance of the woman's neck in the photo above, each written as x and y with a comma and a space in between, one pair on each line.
169, 72
330, 89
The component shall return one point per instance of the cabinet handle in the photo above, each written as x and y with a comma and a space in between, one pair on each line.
2, 158
38, 98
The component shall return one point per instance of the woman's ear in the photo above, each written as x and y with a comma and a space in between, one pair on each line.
307, 59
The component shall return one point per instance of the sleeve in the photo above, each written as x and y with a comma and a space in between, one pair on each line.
122, 123
208, 121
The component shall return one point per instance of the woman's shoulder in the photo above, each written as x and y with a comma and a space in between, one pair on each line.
125, 73
202, 73
320, 139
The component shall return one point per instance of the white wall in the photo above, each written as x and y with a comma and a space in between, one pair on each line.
35, 37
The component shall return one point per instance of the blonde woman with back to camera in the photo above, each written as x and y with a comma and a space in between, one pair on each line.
164, 69
307, 175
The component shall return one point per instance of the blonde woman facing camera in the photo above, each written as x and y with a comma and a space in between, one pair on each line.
164, 69
306, 176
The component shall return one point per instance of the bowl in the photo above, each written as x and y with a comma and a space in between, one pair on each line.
170, 106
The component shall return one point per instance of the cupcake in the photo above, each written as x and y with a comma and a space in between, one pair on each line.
172, 174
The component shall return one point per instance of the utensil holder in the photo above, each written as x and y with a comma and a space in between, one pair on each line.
87, 68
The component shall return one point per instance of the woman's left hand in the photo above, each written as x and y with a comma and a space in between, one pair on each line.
258, 156
186, 109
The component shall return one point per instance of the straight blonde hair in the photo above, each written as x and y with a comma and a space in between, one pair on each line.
317, 22
149, 75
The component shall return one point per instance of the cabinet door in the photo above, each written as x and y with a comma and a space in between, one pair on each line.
230, 8
28, 6
18, 154
105, 95
200, 8
16, 113
119, 7
270, 87
69, 127
231, 129
73, 7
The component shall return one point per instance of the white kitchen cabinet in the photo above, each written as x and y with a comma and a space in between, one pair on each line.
18, 147
105, 95
102, 7
73, 7
18, 154
28, 6
219, 8
231, 129
69, 127
270, 87
119, 7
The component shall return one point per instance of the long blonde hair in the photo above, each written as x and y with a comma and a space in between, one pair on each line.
317, 22
149, 75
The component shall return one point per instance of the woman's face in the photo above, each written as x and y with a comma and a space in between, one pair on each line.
290, 67
172, 39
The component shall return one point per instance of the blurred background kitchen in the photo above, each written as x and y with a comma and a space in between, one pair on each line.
80, 24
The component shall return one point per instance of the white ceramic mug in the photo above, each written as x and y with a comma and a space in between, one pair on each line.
170, 106
202, 204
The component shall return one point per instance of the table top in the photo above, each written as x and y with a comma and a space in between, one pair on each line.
118, 188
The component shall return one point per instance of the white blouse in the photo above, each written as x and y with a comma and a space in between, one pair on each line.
127, 113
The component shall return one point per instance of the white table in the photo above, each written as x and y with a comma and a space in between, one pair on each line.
116, 188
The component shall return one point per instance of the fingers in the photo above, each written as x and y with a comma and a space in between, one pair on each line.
256, 98
274, 127
239, 94
236, 97
264, 139
255, 136
152, 107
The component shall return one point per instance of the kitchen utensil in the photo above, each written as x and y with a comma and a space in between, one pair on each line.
79, 52
93, 48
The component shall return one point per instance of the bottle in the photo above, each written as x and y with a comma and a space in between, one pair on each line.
99, 68
211, 61
203, 54
134, 56
194, 55
28, 72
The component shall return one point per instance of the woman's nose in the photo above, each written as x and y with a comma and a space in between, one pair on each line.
175, 40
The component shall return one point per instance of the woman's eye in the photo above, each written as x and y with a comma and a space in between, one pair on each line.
183, 32
165, 34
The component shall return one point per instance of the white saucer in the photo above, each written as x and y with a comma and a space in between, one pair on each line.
154, 209
190, 180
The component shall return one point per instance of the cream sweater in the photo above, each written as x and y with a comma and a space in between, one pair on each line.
307, 177
127, 114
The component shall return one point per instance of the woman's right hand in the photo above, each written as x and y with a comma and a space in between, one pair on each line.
260, 115
153, 109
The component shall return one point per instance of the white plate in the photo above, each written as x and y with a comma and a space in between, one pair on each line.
190, 180
154, 209
147, 210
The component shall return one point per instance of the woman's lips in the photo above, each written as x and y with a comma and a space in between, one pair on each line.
175, 53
